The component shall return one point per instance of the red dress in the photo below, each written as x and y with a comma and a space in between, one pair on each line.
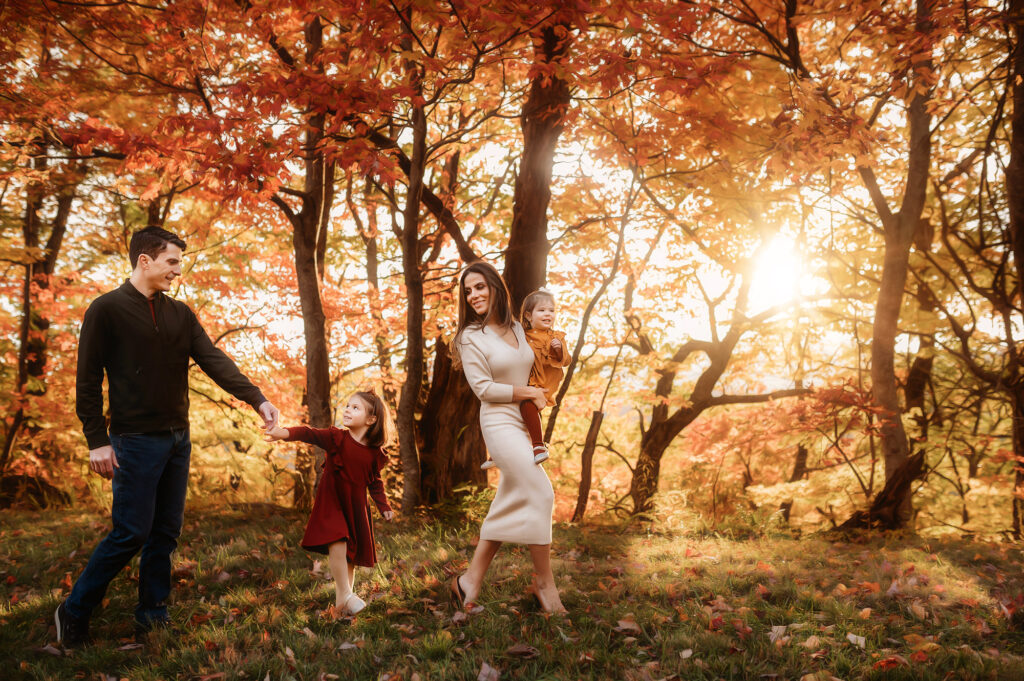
340, 510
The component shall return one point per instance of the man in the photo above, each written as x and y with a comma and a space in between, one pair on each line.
143, 339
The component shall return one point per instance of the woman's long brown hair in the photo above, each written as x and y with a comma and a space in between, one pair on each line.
499, 310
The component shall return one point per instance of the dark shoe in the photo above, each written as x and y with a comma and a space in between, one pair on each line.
71, 631
457, 593
143, 629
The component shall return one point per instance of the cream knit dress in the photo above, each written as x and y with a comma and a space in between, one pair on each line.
521, 510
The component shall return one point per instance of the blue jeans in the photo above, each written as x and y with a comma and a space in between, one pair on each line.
148, 510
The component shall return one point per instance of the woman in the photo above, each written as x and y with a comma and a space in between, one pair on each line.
491, 347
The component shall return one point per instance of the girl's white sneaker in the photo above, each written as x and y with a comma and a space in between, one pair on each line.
353, 604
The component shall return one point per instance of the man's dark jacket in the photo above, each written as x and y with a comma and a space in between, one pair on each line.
145, 351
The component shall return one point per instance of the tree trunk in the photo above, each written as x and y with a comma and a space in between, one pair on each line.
644, 485
32, 333
586, 471
309, 242
1015, 199
451, 455
799, 471
1015, 168
413, 278
895, 449
542, 121
369, 235
885, 512
899, 235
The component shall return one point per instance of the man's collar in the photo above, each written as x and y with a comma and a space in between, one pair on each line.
129, 288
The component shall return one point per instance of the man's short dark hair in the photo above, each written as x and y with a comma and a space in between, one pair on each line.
152, 241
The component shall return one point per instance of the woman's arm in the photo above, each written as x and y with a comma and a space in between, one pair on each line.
478, 373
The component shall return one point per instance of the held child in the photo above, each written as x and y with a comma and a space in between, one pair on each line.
339, 524
551, 353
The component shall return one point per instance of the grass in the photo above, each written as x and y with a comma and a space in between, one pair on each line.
643, 605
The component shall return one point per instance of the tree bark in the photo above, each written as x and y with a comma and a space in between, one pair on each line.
1015, 168
1015, 200
799, 471
1017, 428
32, 332
542, 120
459, 448
885, 512
899, 231
309, 243
586, 471
413, 278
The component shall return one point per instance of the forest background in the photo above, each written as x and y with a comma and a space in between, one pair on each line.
786, 239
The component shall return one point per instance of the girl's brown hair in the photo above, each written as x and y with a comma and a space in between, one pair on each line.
380, 433
531, 302
499, 310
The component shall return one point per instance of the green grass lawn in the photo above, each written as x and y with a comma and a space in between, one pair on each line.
642, 606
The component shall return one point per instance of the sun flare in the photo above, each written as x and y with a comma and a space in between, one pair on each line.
777, 275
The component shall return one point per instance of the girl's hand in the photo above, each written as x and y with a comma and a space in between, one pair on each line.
276, 433
555, 343
389, 515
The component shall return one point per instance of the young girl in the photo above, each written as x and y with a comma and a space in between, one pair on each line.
339, 524
550, 354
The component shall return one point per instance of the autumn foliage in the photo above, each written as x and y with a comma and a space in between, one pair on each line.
785, 238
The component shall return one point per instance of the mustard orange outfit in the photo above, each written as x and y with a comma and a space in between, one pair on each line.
547, 361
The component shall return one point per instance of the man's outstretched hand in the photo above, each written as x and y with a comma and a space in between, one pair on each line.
103, 461
270, 415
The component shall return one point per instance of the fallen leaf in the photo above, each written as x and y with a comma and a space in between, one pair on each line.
628, 623
522, 650
460, 617
686, 654
858, 641
920, 643
49, 649
131, 646
487, 673
891, 661
777, 632
812, 643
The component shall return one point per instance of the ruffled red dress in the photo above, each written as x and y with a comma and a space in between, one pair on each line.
340, 510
